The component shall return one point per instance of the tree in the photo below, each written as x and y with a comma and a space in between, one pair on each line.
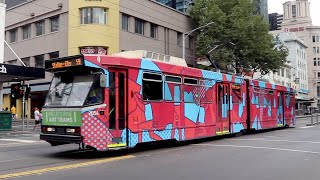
237, 21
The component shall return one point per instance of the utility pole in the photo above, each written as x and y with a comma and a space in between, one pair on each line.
2, 31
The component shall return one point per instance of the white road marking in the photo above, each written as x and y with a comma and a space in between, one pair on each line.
19, 140
276, 140
10, 144
259, 147
273, 136
306, 127
16, 159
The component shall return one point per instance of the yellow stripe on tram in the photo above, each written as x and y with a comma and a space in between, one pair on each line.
117, 145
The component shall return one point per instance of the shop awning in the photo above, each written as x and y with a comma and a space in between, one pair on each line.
14, 73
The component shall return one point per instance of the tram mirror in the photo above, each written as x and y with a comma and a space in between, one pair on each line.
103, 80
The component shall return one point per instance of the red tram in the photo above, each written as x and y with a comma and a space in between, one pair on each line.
118, 101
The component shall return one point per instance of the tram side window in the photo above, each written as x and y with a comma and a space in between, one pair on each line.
206, 91
255, 94
190, 90
236, 94
172, 88
96, 93
152, 87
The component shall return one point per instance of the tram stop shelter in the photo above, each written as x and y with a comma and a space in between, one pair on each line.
14, 73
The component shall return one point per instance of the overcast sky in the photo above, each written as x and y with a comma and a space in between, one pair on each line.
277, 6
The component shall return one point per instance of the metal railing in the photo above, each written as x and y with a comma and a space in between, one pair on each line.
308, 120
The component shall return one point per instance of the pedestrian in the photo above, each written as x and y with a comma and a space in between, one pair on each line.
7, 109
13, 112
37, 116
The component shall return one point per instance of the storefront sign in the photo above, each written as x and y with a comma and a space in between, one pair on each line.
3, 69
94, 50
296, 29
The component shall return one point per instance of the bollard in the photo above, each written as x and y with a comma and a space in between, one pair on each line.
311, 119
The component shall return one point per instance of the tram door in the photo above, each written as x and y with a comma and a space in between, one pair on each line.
223, 101
117, 107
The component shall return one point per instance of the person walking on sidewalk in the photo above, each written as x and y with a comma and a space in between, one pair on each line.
37, 116
13, 112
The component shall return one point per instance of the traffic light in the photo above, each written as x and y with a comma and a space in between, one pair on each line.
15, 91
27, 93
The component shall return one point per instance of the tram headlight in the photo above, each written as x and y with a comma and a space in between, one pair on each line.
51, 129
70, 130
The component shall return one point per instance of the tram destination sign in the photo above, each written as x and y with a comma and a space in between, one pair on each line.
64, 63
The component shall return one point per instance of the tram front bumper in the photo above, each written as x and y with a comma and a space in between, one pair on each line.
57, 139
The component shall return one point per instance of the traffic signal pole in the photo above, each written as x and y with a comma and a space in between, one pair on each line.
2, 36
23, 107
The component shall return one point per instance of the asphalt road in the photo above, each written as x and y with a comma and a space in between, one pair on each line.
292, 153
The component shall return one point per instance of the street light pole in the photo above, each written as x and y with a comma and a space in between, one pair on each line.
185, 35
208, 54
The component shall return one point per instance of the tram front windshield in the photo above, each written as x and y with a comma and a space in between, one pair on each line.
70, 91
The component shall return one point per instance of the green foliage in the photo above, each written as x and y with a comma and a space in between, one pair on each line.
237, 21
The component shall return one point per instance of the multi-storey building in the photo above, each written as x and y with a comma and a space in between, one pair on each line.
262, 6
45, 29
297, 19
180, 5
295, 72
275, 21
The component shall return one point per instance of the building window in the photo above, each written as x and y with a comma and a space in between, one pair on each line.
125, 22
26, 30
179, 38
13, 35
318, 91
39, 61
139, 26
39, 28
294, 11
288, 74
54, 55
26, 61
314, 50
93, 16
314, 61
153, 30
54, 24
152, 87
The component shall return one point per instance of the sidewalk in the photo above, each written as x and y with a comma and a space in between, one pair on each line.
17, 127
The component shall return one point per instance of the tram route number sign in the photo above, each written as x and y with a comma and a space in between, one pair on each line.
62, 118
64, 63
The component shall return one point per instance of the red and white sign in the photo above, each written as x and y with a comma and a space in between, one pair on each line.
94, 50
296, 29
